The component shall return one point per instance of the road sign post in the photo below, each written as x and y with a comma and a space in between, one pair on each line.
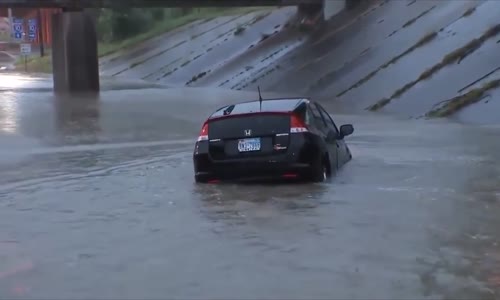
25, 51
40, 33
9, 12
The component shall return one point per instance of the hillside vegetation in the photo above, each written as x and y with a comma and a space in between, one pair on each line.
118, 29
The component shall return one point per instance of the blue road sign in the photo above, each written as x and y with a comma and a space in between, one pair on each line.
31, 29
17, 27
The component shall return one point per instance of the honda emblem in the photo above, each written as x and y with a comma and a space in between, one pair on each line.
248, 132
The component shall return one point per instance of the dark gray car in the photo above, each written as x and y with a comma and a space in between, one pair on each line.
7, 61
276, 138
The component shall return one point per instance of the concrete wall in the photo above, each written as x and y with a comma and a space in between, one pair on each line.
333, 7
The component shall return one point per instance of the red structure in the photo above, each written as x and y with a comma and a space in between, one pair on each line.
44, 25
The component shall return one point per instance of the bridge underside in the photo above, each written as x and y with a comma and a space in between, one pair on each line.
19, 12
150, 3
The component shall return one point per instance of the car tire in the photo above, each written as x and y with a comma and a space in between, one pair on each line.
319, 171
200, 179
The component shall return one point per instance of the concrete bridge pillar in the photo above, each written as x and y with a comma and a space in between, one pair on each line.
74, 53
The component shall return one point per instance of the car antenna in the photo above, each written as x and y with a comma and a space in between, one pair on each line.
260, 98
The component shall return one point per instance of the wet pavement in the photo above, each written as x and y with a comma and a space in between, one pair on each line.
98, 201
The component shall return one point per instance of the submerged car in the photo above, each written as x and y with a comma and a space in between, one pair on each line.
270, 139
7, 61
310, 16
308, 23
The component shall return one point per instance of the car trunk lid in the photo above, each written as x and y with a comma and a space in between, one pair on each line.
248, 135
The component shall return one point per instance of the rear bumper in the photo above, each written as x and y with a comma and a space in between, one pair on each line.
252, 170
293, 163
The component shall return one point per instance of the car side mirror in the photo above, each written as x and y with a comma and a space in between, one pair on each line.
346, 130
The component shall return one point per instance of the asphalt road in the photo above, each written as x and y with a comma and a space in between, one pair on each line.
97, 200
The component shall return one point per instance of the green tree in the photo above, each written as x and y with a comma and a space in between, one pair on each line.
124, 22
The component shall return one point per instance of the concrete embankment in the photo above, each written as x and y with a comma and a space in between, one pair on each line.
413, 58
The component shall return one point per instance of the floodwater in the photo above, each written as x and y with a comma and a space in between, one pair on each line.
97, 200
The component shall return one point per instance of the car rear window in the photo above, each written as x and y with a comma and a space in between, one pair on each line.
281, 105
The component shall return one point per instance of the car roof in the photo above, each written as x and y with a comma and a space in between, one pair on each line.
268, 105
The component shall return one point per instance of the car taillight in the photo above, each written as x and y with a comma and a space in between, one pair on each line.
297, 125
203, 136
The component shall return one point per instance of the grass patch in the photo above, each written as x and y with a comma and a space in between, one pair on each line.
36, 64
196, 77
264, 36
239, 30
457, 103
411, 21
44, 64
133, 65
455, 55
469, 12
259, 17
424, 40
380, 104
169, 73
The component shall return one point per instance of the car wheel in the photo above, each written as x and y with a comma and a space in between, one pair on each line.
200, 179
319, 171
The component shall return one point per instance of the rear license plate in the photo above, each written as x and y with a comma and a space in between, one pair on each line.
247, 145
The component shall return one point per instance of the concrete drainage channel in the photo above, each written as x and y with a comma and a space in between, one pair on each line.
361, 42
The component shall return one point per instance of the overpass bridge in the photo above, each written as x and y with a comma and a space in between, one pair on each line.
149, 3
74, 38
